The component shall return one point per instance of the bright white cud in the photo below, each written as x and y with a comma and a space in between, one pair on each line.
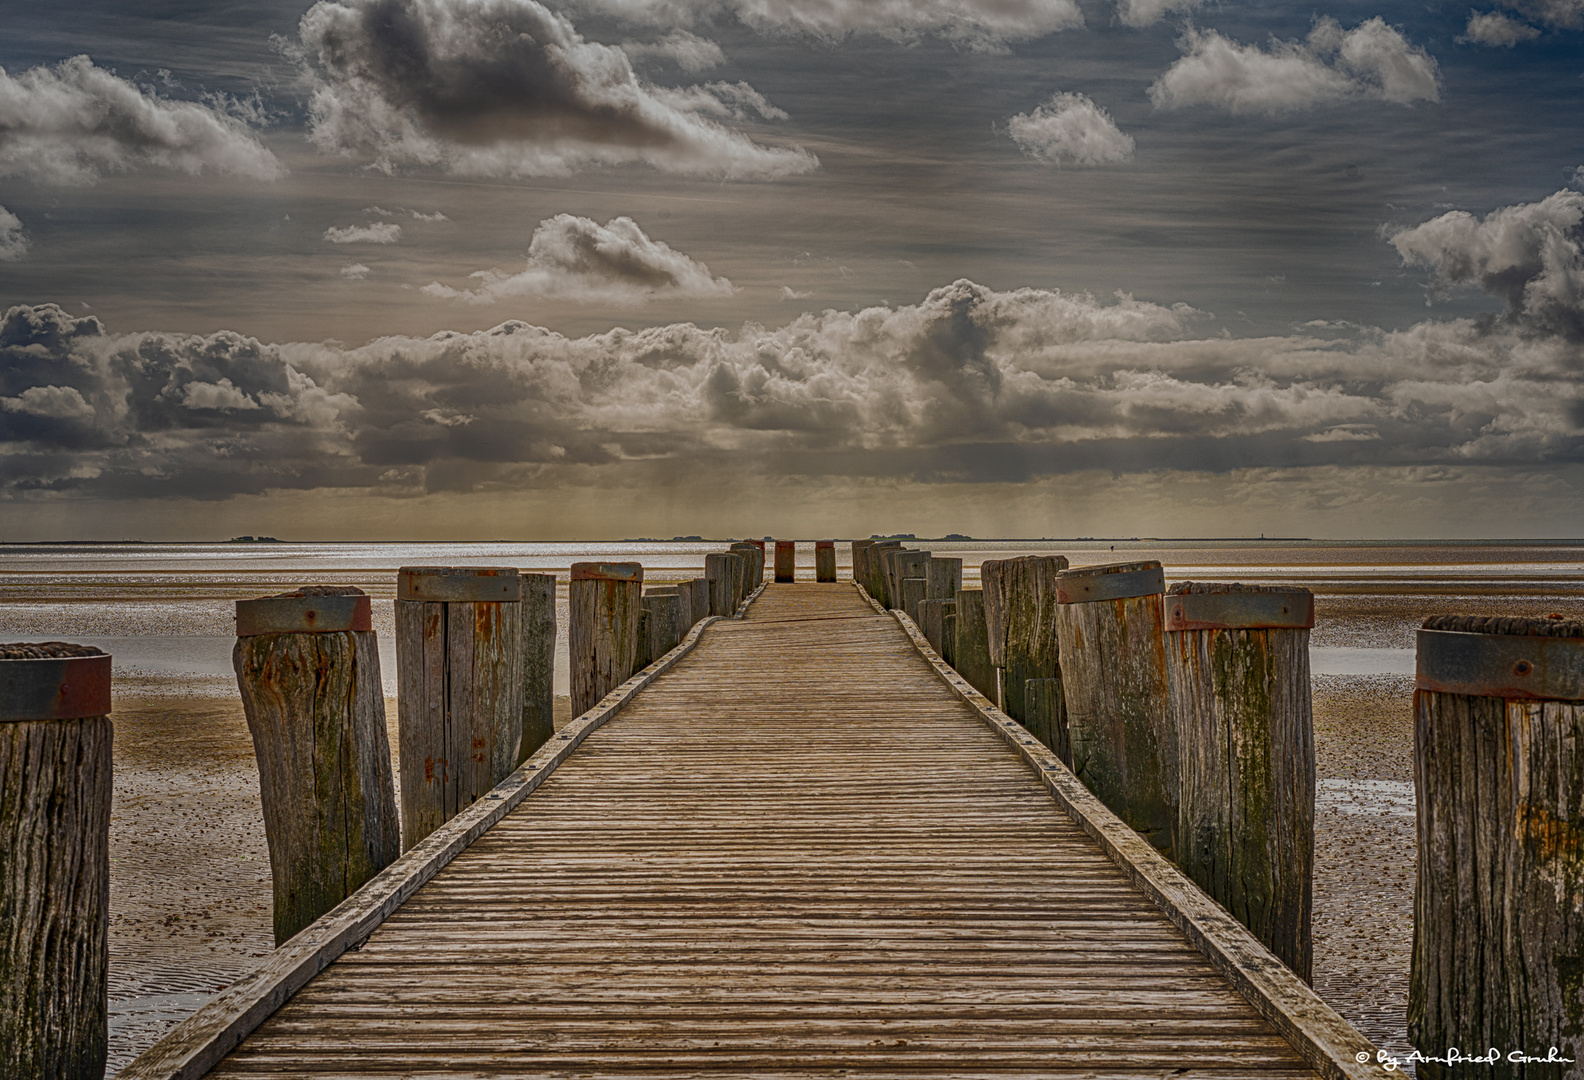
1070, 128
1372, 60
576, 258
75, 122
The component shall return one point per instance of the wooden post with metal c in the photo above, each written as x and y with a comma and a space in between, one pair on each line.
459, 710
1120, 723
1499, 906
538, 593
785, 561
307, 665
55, 786
1237, 663
824, 560
605, 599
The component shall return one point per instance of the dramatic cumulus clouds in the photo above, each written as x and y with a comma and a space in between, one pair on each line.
977, 24
967, 385
375, 232
1070, 128
75, 122
1372, 60
1150, 12
13, 245
505, 88
575, 258
1494, 28
1530, 255
689, 52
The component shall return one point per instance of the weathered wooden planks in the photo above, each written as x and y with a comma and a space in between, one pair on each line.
1327, 1042
834, 866
315, 708
55, 787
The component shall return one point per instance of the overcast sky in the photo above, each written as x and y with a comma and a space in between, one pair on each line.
603, 268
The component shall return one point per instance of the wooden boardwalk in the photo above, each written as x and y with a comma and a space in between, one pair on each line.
796, 853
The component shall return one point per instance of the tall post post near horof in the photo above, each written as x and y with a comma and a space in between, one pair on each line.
664, 622
824, 560
605, 599
1122, 730
932, 620
684, 597
991, 584
906, 563
860, 561
538, 593
642, 658
750, 577
912, 593
1499, 905
971, 654
459, 711
949, 636
759, 562
307, 665
785, 561
55, 786
1043, 706
876, 582
722, 577
886, 573
1237, 664
1023, 592
698, 599
943, 577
